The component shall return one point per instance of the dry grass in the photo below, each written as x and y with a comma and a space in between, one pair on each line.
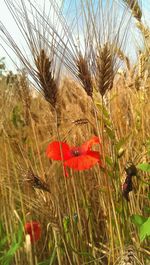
85, 218
85, 194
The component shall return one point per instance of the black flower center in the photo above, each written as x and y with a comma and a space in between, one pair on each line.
76, 152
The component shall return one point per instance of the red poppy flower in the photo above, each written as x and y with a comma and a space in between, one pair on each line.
33, 229
78, 158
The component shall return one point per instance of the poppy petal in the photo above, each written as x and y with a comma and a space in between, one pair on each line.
33, 229
53, 151
87, 145
94, 154
81, 162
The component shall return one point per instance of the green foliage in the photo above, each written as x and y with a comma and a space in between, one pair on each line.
144, 167
138, 220
120, 146
66, 223
8, 255
3, 239
109, 161
110, 133
145, 229
75, 219
143, 225
17, 117
146, 210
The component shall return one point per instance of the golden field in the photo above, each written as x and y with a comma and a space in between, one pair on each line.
93, 216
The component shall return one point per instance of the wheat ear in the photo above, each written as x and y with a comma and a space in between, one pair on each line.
84, 75
45, 76
135, 8
105, 71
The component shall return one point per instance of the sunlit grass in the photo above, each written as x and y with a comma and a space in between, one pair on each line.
92, 216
